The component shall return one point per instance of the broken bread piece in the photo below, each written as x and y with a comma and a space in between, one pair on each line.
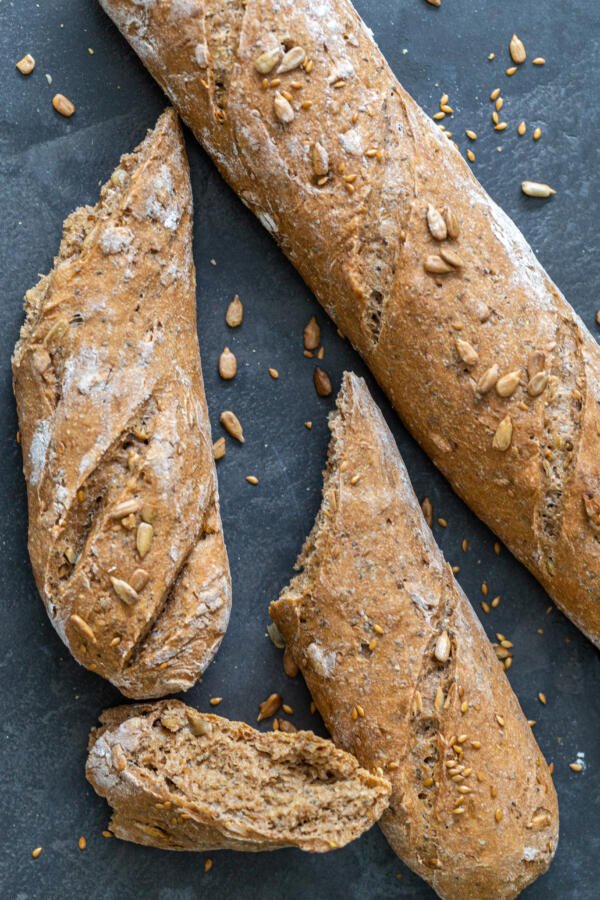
405, 678
183, 780
125, 535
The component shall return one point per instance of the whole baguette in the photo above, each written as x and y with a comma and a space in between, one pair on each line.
181, 780
125, 535
343, 175
405, 678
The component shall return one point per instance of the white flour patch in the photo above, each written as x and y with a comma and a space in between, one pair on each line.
39, 449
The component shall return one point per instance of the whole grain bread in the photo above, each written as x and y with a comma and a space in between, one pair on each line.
182, 780
405, 678
125, 536
429, 279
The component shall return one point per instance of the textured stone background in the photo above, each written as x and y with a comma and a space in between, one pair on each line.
47, 167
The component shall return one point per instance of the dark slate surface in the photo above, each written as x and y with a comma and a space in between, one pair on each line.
48, 166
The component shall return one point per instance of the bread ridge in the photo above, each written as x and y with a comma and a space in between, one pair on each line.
360, 240
115, 434
242, 790
373, 604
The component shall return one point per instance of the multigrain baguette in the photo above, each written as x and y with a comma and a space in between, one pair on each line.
343, 172
405, 678
125, 535
182, 780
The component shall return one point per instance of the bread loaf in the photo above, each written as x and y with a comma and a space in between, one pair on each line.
125, 535
405, 678
484, 360
181, 780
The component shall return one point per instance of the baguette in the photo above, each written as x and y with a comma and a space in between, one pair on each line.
405, 678
125, 535
181, 780
478, 351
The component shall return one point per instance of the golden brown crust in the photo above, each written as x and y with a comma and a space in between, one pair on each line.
125, 536
345, 187
405, 678
183, 780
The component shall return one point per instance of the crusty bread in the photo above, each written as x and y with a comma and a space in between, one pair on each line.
343, 177
181, 780
405, 678
125, 535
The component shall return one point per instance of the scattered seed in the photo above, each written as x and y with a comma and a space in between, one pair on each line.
521, 128
442, 523
542, 698
496, 602
499, 103
488, 379
227, 365
215, 701
491, 56
312, 334
436, 224
107, 834
485, 606
495, 94
517, 51
451, 223
208, 864
510, 71
26, 65
291, 60
124, 591
507, 385
63, 105
83, 628
442, 647
537, 134
143, 540
434, 2
251, 479
467, 352
576, 767
322, 382
267, 61
219, 448
283, 109
82, 843
495, 117
438, 116
539, 61
427, 509
470, 155
536, 189
503, 437
308, 425
232, 426
235, 313
269, 707
501, 126
472, 135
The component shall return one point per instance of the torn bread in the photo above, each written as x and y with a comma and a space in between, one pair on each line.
182, 780
125, 536
405, 678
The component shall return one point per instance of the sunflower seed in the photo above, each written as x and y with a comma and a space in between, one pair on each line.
312, 334
536, 362
442, 647
227, 365
451, 257
125, 508
537, 384
503, 436
517, 50
435, 265
235, 313
143, 538
283, 109
269, 707
139, 580
232, 426
219, 448
83, 627
488, 379
537, 189
275, 635
320, 159
199, 725
451, 223
267, 61
124, 591
322, 382
436, 224
467, 352
291, 60
507, 385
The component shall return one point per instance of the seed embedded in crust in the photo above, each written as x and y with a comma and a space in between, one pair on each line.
451, 257
227, 365
503, 437
518, 54
124, 591
85, 630
267, 61
143, 538
139, 580
442, 647
289, 666
26, 65
232, 425
118, 758
537, 385
537, 189
291, 60
199, 725
283, 109
269, 707
436, 224
63, 105
498, 815
322, 382
219, 448
488, 379
312, 334
427, 509
451, 223
435, 265
507, 385
320, 159
467, 352
235, 313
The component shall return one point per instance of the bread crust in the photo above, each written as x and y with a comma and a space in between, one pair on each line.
405, 678
183, 780
344, 186
125, 535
